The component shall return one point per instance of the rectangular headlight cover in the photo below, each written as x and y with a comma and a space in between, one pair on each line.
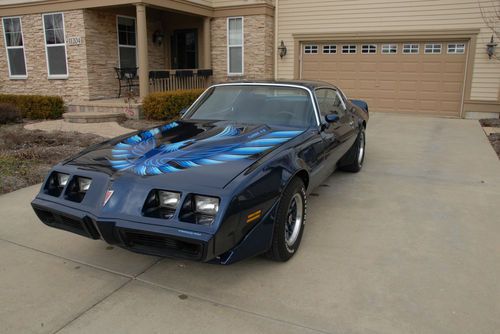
169, 199
206, 205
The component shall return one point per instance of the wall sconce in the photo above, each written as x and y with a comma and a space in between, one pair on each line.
158, 37
490, 48
282, 49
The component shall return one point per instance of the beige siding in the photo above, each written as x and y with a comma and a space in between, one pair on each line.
346, 16
224, 3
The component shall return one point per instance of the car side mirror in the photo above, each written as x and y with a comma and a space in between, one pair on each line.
183, 111
332, 118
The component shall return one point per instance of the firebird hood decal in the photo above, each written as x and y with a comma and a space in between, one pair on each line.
144, 156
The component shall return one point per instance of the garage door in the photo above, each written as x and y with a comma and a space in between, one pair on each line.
406, 77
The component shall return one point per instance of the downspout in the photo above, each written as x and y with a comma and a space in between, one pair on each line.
276, 12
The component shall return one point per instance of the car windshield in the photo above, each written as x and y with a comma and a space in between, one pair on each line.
262, 104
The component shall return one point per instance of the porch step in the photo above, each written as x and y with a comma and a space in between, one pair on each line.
94, 117
109, 107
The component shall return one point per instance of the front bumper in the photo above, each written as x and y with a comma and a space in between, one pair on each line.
135, 236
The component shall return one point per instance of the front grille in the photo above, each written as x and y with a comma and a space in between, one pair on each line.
161, 245
83, 226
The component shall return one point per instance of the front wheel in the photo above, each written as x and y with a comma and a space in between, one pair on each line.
290, 220
353, 160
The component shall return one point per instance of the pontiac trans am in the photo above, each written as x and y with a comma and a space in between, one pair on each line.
227, 181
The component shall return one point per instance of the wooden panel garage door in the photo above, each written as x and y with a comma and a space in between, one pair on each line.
415, 77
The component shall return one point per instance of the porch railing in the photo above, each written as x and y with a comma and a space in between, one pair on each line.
171, 80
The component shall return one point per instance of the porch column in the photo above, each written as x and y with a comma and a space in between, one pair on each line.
142, 52
207, 52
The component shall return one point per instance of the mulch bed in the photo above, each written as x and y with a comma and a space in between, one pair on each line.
494, 138
26, 156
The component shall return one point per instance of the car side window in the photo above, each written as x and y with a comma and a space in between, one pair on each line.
330, 102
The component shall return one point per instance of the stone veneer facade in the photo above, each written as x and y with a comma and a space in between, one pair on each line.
258, 34
91, 63
75, 87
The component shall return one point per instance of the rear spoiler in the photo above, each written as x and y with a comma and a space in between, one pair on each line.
360, 103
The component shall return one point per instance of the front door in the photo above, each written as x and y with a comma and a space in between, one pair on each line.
185, 49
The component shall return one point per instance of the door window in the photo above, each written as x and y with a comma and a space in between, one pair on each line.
330, 102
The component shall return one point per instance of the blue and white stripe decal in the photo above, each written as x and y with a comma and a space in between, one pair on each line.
141, 155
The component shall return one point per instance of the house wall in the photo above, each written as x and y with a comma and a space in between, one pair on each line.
258, 48
344, 16
224, 3
75, 87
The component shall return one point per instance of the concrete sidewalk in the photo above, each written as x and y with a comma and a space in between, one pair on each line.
409, 245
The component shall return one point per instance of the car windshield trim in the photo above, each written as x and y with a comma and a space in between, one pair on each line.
311, 95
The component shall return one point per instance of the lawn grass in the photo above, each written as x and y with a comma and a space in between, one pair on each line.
26, 156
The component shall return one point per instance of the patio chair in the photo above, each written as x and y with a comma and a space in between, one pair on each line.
127, 77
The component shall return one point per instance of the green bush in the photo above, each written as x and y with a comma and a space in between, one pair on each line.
9, 113
35, 106
167, 105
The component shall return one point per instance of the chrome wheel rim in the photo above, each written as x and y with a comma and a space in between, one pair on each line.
294, 219
361, 151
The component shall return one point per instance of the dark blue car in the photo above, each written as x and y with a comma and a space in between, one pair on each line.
227, 181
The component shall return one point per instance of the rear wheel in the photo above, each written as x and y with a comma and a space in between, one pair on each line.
353, 160
290, 221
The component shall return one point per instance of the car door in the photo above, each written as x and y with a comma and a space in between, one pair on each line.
337, 136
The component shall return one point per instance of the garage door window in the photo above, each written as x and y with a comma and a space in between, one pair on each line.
410, 48
329, 49
310, 49
351, 48
369, 48
432, 48
456, 48
389, 48
13, 37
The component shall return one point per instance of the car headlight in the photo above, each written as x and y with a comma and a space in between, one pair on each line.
62, 179
56, 183
169, 199
161, 204
84, 184
206, 205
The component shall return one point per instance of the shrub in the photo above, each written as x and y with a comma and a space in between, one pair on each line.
9, 113
35, 106
167, 105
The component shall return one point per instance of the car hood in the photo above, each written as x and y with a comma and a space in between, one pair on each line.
207, 153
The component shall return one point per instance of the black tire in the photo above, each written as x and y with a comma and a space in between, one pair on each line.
353, 160
285, 240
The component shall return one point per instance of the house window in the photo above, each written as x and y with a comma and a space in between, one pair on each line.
351, 48
329, 49
310, 49
127, 47
369, 48
55, 45
410, 48
432, 48
235, 45
13, 37
389, 48
456, 48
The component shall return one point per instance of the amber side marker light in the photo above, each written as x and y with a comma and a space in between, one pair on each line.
254, 216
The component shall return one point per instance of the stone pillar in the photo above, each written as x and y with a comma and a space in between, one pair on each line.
142, 46
207, 52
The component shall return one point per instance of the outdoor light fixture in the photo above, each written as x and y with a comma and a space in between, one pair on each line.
282, 49
490, 48
158, 37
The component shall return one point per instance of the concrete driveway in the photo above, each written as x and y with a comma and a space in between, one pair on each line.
409, 245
